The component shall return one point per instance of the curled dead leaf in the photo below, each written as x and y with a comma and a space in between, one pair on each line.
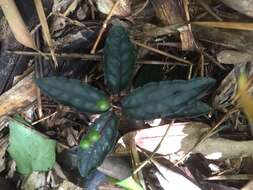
123, 9
182, 138
242, 6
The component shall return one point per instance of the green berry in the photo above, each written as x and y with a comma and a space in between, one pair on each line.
103, 105
85, 144
93, 136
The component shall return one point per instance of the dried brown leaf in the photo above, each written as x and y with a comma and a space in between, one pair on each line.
242, 6
17, 24
123, 9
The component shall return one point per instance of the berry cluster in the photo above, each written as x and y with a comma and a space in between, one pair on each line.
92, 137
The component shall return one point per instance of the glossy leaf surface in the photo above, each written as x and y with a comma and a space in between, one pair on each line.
119, 59
177, 98
90, 158
73, 93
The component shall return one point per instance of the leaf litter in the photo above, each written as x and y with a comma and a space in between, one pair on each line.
109, 49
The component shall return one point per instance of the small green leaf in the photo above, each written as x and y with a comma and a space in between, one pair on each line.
93, 156
172, 99
31, 150
130, 184
73, 93
119, 59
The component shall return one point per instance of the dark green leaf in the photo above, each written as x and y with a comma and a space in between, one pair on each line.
173, 99
119, 59
73, 93
31, 150
90, 158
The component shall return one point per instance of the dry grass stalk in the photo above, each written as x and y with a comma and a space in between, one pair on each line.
45, 28
163, 53
209, 10
71, 7
111, 13
226, 25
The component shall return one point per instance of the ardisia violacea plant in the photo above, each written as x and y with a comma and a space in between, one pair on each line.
171, 99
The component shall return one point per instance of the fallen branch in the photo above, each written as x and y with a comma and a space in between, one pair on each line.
19, 96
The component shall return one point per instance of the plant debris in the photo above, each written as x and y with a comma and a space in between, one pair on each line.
122, 94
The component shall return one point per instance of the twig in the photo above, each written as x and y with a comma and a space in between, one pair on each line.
43, 119
155, 150
214, 60
71, 7
45, 28
93, 57
209, 10
93, 9
202, 67
135, 161
200, 16
39, 25
38, 74
141, 9
155, 62
62, 55
190, 72
226, 25
19, 96
162, 53
104, 26
39, 102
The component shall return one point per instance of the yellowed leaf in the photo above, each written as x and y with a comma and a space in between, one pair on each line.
17, 24
245, 99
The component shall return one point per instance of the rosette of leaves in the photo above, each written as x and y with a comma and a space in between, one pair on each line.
173, 99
